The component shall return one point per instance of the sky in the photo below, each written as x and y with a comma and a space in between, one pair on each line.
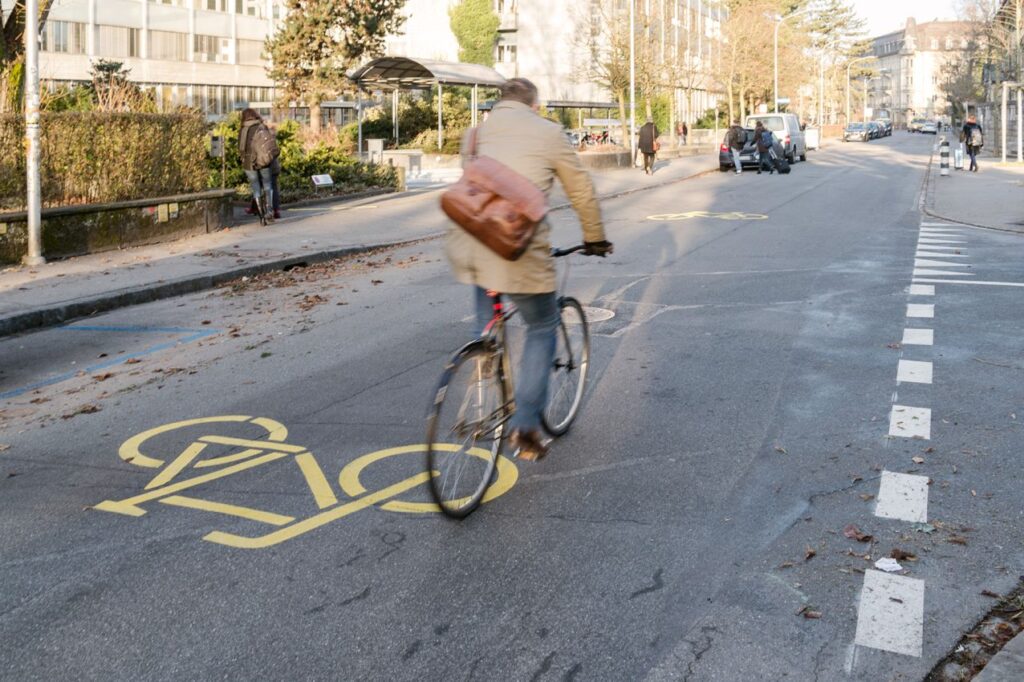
884, 16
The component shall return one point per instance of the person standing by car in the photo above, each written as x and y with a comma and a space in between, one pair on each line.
765, 141
974, 137
735, 139
535, 148
648, 144
257, 148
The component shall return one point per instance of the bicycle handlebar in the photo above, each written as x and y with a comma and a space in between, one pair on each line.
558, 253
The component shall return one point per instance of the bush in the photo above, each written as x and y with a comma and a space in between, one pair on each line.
302, 156
100, 157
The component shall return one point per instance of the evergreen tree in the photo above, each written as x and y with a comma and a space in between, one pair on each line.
322, 39
475, 26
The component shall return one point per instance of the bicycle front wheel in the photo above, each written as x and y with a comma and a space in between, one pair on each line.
569, 369
466, 429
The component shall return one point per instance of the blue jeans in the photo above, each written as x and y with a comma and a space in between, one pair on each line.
542, 317
255, 178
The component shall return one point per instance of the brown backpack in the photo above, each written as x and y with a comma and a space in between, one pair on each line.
495, 204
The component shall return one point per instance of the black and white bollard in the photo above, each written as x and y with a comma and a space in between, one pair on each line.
958, 157
943, 156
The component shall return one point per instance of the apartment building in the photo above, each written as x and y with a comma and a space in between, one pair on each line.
910, 65
202, 53
547, 42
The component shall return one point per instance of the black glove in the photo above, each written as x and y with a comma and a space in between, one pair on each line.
601, 248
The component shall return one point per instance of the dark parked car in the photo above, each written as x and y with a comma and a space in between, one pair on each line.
748, 157
874, 130
886, 126
857, 132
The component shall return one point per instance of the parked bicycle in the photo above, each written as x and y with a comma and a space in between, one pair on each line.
474, 400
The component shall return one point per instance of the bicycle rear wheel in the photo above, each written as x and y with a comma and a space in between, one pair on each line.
569, 370
466, 429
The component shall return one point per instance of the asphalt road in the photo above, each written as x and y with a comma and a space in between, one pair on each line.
738, 420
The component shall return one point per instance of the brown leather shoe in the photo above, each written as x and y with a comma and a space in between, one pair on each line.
529, 445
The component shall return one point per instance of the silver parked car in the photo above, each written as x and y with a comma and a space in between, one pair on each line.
787, 131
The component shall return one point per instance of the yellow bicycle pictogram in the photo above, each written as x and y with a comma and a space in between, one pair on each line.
690, 215
212, 457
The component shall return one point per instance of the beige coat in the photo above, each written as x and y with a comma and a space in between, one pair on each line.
536, 148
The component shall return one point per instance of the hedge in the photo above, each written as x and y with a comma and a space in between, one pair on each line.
99, 157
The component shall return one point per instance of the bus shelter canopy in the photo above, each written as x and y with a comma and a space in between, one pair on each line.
405, 73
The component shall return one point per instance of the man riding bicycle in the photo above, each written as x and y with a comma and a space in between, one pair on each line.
517, 136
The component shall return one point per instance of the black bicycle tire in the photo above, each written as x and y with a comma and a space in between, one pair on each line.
477, 348
562, 428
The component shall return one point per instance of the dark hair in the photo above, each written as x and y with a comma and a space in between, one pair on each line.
250, 115
519, 90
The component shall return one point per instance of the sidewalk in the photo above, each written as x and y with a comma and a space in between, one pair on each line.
63, 290
992, 198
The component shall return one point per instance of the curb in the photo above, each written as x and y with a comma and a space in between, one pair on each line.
59, 314
54, 315
1008, 664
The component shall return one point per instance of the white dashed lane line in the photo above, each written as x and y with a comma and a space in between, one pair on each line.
910, 422
925, 310
914, 372
918, 337
891, 615
921, 290
903, 497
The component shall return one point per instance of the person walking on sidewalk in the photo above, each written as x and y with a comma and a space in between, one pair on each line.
516, 136
648, 144
735, 139
275, 176
257, 148
974, 137
764, 141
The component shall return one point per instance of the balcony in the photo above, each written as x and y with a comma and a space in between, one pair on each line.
508, 20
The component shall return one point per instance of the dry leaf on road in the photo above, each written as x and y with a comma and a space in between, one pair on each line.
855, 533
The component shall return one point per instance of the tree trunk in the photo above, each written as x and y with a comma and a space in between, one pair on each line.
732, 101
622, 120
672, 118
314, 118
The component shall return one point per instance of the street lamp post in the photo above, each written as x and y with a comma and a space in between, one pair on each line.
632, 82
33, 200
778, 23
848, 66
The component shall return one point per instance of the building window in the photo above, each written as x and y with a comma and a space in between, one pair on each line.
216, 5
168, 45
935, 43
118, 41
64, 36
506, 54
175, 3
949, 43
211, 49
250, 52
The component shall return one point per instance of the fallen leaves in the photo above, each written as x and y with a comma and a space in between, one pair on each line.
84, 409
867, 497
4, 446
809, 612
132, 361
102, 377
902, 555
311, 301
855, 533
779, 448
923, 528
957, 540
917, 460
990, 593
809, 553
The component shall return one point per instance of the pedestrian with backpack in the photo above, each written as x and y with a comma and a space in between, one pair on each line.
258, 150
764, 141
735, 139
974, 137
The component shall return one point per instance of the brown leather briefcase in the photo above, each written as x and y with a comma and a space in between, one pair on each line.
495, 204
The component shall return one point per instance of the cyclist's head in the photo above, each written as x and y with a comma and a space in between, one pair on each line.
519, 90
250, 115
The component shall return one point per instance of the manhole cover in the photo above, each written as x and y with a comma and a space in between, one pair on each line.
597, 314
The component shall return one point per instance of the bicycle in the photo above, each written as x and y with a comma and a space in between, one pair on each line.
474, 401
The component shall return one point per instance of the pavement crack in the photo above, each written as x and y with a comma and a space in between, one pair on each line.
362, 595
699, 649
545, 666
657, 585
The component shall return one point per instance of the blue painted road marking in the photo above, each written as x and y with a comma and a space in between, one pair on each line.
190, 336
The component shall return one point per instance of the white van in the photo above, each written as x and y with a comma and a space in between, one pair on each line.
787, 130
